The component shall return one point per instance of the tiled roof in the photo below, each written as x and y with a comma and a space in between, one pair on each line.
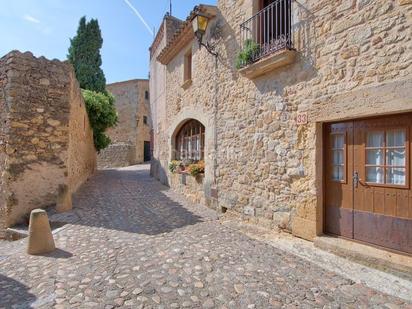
161, 33
184, 34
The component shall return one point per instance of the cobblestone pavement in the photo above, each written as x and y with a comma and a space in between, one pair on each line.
132, 243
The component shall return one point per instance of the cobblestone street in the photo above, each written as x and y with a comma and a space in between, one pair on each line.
132, 243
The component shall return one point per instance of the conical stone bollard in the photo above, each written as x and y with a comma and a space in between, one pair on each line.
40, 236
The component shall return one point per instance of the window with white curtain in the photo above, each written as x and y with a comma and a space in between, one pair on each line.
190, 141
386, 157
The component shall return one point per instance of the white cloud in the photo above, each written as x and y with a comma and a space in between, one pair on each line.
139, 16
31, 19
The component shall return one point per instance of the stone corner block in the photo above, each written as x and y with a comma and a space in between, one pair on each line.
64, 199
40, 235
304, 228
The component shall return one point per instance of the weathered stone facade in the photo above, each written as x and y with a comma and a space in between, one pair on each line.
158, 75
46, 144
134, 126
353, 59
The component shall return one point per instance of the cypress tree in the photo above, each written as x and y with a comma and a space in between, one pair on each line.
84, 55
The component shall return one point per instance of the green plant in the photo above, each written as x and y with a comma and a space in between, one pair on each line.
247, 54
102, 115
174, 165
84, 55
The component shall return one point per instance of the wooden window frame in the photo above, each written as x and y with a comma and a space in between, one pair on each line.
385, 167
344, 180
188, 67
191, 133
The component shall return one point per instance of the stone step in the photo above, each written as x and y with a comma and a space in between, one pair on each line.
396, 263
16, 233
22, 231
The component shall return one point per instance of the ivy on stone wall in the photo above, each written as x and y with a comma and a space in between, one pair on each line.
102, 115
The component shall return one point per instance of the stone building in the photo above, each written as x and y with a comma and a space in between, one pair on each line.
131, 138
46, 143
308, 130
158, 96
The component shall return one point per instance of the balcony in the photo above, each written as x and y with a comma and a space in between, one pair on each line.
267, 40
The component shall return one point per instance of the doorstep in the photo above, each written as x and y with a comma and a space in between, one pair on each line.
367, 255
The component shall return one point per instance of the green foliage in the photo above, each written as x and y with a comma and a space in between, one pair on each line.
102, 115
247, 54
174, 165
187, 166
84, 55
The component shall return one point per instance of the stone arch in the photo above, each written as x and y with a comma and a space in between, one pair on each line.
198, 114
205, 117
178, 129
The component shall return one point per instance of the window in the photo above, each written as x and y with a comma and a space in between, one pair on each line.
268, 31
145, 119
146, 95
275, 20
386, 157
190, 141
187, 75
338, 157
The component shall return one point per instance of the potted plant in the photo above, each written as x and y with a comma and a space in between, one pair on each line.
247, 54
196, 168
174, 166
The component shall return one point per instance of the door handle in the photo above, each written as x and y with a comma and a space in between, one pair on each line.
356, 179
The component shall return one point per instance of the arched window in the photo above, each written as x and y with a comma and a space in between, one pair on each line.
190, 141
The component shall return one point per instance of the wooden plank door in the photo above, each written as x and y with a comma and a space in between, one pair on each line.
382, 195
338, 179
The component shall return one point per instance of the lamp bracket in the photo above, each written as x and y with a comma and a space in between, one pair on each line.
210, 48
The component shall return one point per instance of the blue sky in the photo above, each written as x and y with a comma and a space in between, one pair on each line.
45, 26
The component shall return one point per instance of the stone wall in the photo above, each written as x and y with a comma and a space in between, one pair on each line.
158, 82
131, 132
117, 155
4, 128
190, 187
47, 140
353, 60
143, 129
82, 153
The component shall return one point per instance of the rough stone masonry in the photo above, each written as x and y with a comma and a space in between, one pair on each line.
46, 145
353, 59
134, 125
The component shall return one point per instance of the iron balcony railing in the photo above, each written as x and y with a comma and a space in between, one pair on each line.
267, 32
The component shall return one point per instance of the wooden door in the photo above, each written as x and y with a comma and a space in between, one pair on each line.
368, 194
338, 179
382, 196
146, 154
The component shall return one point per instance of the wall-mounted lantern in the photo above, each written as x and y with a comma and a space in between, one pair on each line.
199, 24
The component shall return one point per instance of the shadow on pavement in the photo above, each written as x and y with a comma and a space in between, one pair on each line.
58, 254
14, 294
130, 200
